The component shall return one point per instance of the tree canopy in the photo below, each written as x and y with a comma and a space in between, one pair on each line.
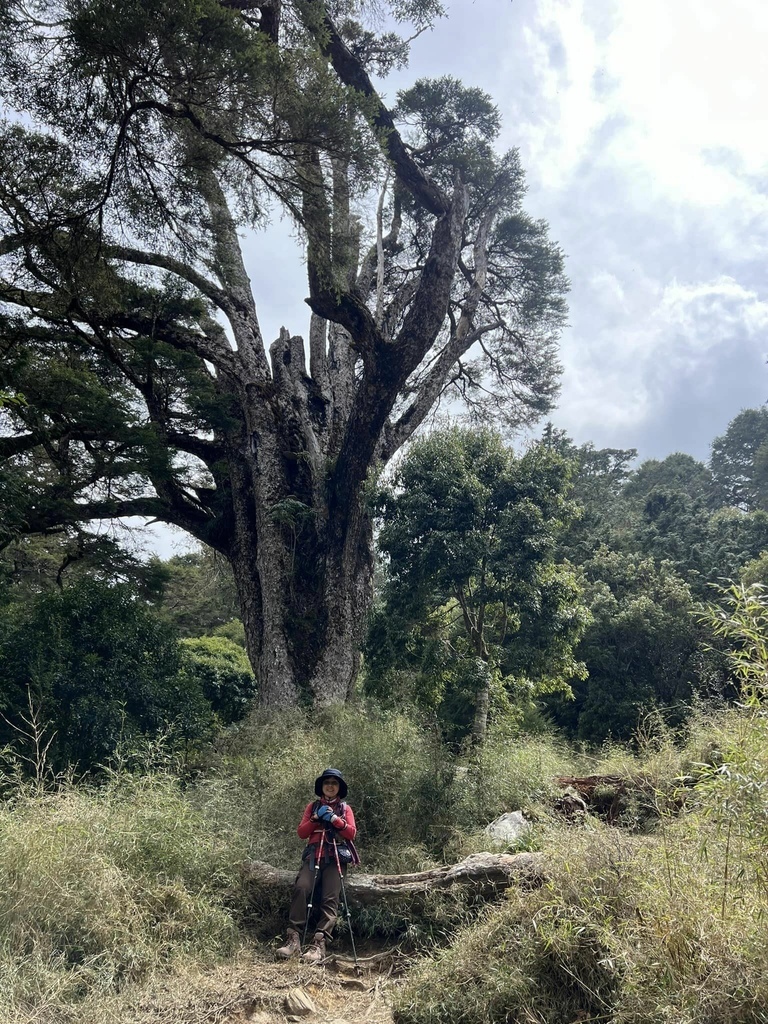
469, 531
139, 141
740, 461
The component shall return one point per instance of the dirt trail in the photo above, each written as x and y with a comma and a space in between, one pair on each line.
257, 989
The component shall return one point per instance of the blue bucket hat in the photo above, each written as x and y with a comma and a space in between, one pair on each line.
331, 773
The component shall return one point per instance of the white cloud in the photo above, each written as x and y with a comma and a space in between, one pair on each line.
608, 291
644, 131
677, 79
692, 74
622, 377
556, 143
710, 312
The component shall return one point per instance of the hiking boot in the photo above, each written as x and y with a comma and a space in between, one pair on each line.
316, 952
291, 947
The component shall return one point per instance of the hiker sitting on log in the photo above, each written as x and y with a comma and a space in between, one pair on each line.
328, 825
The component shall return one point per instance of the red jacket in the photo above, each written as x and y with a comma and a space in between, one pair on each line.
313, 830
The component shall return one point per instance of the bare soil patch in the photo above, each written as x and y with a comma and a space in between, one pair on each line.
258, 989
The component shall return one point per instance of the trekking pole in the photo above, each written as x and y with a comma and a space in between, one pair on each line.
314, 886
346, 905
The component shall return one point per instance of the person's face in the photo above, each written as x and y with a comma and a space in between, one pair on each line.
330, 788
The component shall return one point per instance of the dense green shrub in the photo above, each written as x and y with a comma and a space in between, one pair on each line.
220, 669
99, 669
644, 648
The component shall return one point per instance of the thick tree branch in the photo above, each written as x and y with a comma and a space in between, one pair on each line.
462, 338
12, 243
39, 521
22, 443
352, 73
331, 295
212, 344
43, 304
427, 312
433, 385
394, 362
208, 452
402, 298
177, 267
486, 875
389, 243
241, 309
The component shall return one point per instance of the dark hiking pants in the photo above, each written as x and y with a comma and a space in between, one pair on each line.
326, 899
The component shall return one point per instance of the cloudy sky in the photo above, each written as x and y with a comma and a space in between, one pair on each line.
643, 128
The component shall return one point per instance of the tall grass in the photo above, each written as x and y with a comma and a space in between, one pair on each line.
100, 887
103, 888
414, 803
399, 780
628, 929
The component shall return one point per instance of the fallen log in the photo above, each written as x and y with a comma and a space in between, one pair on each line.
586, 785
486, 874
606, 795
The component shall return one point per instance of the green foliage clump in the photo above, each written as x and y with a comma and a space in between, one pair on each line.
33, 564
474, 602
198, 596
740, 460
221, 671
643, 648
98, 669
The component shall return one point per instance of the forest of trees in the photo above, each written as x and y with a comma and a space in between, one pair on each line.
129, 331
482, 584
588, 575
134, 374
561, 584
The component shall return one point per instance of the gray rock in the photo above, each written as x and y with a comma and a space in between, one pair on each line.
298, 1003
509, 829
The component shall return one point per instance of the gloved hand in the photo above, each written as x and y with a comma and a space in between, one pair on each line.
325, 814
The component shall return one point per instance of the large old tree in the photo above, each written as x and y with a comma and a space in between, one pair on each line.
143, 141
